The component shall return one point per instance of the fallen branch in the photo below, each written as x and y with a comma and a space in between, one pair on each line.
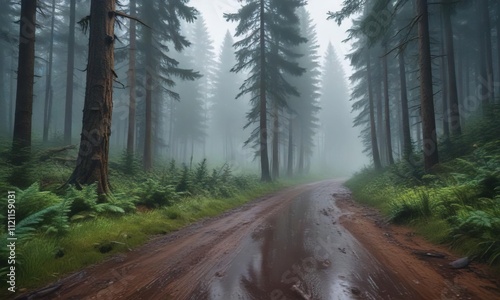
50, 152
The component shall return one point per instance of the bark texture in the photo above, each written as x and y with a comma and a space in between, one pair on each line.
92, 162
431, 156
21, 143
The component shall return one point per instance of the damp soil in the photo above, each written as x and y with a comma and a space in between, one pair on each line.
307, 242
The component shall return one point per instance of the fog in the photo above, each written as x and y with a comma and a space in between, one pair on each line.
206, 121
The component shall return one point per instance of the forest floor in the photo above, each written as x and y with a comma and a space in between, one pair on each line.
306, 242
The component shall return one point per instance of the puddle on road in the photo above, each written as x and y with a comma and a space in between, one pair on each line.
302, 253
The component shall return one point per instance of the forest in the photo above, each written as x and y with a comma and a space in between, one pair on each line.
125, 126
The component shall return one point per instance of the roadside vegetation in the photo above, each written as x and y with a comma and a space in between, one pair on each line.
61, 228
457, 202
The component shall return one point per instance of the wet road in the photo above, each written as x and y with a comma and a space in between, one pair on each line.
302, 252
288, 245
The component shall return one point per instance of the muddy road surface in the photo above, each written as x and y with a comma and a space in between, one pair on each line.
294, 244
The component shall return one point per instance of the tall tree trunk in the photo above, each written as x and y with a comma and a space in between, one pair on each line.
149, 84
380, 128
4, 112
407, 147
300, 167
21, 143
431, 156
131, 82
373, 131
290, 146
488, 56
454, 115
276, 165
92, 162
68, 111
498, 39
12, 95
387, 109
48, 82
264, 159
444, 93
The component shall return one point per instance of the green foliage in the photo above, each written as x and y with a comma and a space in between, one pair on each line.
461, 198
153, 194
85, 204
129, 164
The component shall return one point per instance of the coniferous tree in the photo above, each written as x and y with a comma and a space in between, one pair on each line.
92, 161
21, 145
336, 123
227, 112
267, 30
160, 67
429, 134
132, 82
304, 108
68, 112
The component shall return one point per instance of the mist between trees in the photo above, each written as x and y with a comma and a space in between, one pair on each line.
147, 79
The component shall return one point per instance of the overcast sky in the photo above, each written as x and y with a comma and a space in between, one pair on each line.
328, 31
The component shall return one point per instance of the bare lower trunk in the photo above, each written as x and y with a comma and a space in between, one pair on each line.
264, 158
290, 146
431, 157
21, 143
407, 147
4, 112
48, 83
380, 116
148, 149
131, 83
387, 123
68, 111
373, 131
444, 92
92, 162
276, 165
454, 115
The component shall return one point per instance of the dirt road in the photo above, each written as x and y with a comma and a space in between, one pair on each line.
294, 244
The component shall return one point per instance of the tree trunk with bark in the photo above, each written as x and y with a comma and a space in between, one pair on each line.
21, 143
264, 158
276, 165
92, 162
488, 56
373, 130
48, 83
290, 146
68, 110
431, 156
407, 147
444, 93
387, 115
4, 112
148, 132
131, 83
454, 115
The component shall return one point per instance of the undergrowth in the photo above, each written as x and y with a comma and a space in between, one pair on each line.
458, 203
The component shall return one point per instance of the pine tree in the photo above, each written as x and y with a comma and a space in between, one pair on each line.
226, 111
267, 30
21, 144
305, 108
335, 120
160, 66
92, 162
